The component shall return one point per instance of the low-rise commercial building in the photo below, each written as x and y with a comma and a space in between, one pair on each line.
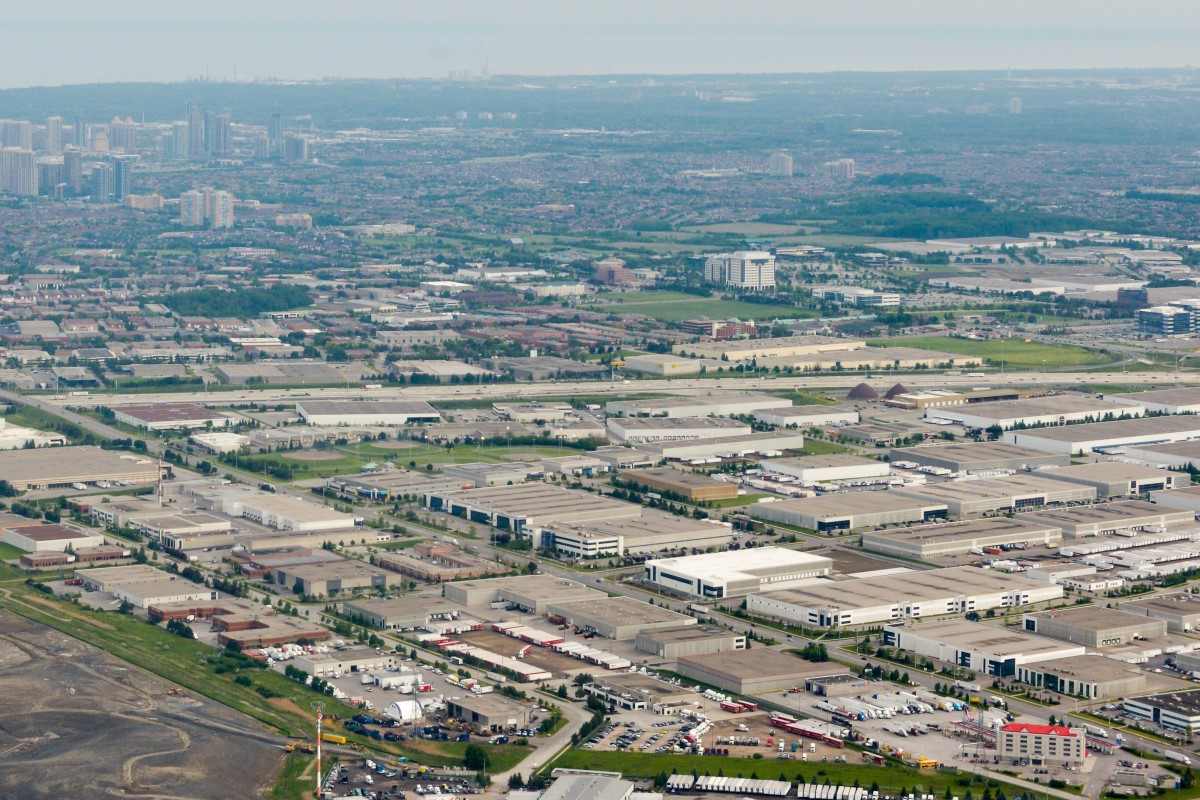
280, 511
987, 649
168, 589
365, 412
1019, 492
1092, 677
1058, 410
807, 417
767, 671
684, 485
1108, 518
1184, 498
1090, 437
736, 572
1177, 710
350, 660
532, 593
65, 467
481, 474
82, 556
652, 532
695, 640
833, 467
332, 577
850, 511
1115, 478
107, 579
974, 457
620, 618
1094, 626
956, 538
398, 613
870, 601
170, 416
1021, 743
488, 713
435, 563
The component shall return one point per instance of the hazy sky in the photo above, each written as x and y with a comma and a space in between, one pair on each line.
84, 41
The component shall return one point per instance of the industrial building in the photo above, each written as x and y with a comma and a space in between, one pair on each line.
1178, 455
978, 457
1184, 400
531, 593
806, 417
331, 577
186, 530
672, 643
488, 713
1094, 626
736, 572
665, 365
80, 556
1180, 610
365, 412
588, 786
37, 538
1019, 492
1088, 437
350, 660
870, 601
387, 485
652, 532
767, 671
713, 405
170, 416
867, 358
1188, 662
850, 511
688, 486
481, 474
637, 430
833, 467
782, 346
398, 613
434, 563
1185, 498
1054, 410
168, 589
1055, 745
106, 579
280, 511
1093, 677
764, 443
1108, 518
519, 508
1178, 710
987, 649
633, 691
16, 437
64, 467
1115, 478
620, 618
924, 542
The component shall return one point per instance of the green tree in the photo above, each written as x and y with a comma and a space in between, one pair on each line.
476, 758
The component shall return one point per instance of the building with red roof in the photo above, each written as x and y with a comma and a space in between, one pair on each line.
1058, 745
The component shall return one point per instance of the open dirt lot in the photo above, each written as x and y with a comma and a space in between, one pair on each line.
76, 722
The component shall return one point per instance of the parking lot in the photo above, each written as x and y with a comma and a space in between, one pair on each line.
373, 779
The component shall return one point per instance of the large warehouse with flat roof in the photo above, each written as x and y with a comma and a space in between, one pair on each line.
651, 532
1179, 710
970, 457
638, 430
957, 538
807, 416
1094, 677
1105, 518
929, 593
1058, 410
1019, 492
1180, 610
1094, 626
519, 508
365, 412
62, 467
1184, 400
719, 405
1171, 454
37, 538
671, 643
831, 467
691, 486
1085, 438
986, 649
170, 416
619, 618
530, 592
849, 511
761, 670
736, 572
1114, 478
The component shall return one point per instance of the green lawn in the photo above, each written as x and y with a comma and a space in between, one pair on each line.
295, 781
7, 552
893, 777
1015, 353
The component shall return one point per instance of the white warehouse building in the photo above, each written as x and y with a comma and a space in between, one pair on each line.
335, 413
736, 572
1058, 410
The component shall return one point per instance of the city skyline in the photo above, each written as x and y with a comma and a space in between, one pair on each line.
145, 42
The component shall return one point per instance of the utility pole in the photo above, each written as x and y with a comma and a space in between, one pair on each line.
320, 707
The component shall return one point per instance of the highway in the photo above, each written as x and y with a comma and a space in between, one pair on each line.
685, 386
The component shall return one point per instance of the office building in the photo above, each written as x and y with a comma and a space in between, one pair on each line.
73, 169
195, 123
18, 172
888, 598
1177, 318
1177, 710
103, 184
218, 136
191, 209
780, 165
275, 128
179, 140
262, 148
612, 272
746, 270
54, 135
79, 133
16, 133
736, 572
1055, 745
122, 178
987, 649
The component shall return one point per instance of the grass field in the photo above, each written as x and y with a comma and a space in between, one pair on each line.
7, 551
893, 777
295, 781
676, 306
1015, 353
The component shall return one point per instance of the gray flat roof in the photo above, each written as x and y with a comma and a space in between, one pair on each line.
1093, 668
539, 499
850, 503
354, 407
543, 586
1187, 395
1111, 471
909, 587
692, 633
969, 529
1183, 603
64, 463
1116, 429
993, 639
622, 611
968, 452
1186, 703
760, 663
1040, 406
1131, 510
1008, 486
1094, 618
656, 423
651, 524
816, 462
675, 476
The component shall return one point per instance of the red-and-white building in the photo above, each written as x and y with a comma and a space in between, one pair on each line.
1042, 744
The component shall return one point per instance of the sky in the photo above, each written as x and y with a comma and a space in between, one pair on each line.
83, 41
